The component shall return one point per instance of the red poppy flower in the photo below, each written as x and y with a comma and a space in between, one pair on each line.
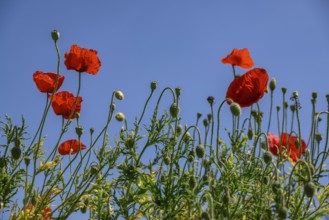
239, 58
248, 88
46, 81
46, 213
82, 60
64, 102
70, 147
293, 152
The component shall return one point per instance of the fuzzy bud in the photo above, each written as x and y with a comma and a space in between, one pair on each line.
120, 116
293, 108
92, 130
16, 152
198, 115
250, 134
235, 109
166, 159
200, 151
314, 95
205, 122
282, 212
309, 189
55, 35
179, 129
267, 157
174, 110
187, 137
119, 95
112, 107
295, 94
272, 84
94, 169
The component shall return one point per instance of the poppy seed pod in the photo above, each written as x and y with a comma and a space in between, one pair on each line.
235, 109
318, 137
16, 152
200, 151
79, 131
309, 189
187, 137
272, 84
210, 100
174, 110
284, 90
120, 116
205, 122
55, 35
198, 115
178, 91
119, 95
295, 95
153, 85
27, 160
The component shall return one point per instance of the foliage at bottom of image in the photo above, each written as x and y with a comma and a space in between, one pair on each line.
159, 168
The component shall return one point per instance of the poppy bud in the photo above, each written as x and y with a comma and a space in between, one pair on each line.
166, 159
92, 130
285, 105
284, 90
179, 129
119, 95
293, 108
267, 157
83, 209
235, 109
309, 189
190, 158
210, 100
278, 108
27, 160
282, 212
327, 96
318, 137
205, 216
79, 131
314, 95
192, 182
120, 116
174, 110
198, 115
250, 134
187, 137
226, 197
55, 35
153, 85
178, 91
272, 84
2, 162
276, 186
16, 152
200, 151
94, 169
129, 142
205, 122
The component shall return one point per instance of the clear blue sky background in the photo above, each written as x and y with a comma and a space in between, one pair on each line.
175, 42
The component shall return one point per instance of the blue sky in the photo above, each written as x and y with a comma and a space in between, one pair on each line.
176, 43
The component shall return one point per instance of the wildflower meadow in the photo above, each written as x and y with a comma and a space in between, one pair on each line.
156, 167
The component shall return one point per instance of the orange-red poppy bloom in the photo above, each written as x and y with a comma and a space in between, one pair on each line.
46, 81
288, 145
239, 58
70, 147
248, 88
82, 60
64, 102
